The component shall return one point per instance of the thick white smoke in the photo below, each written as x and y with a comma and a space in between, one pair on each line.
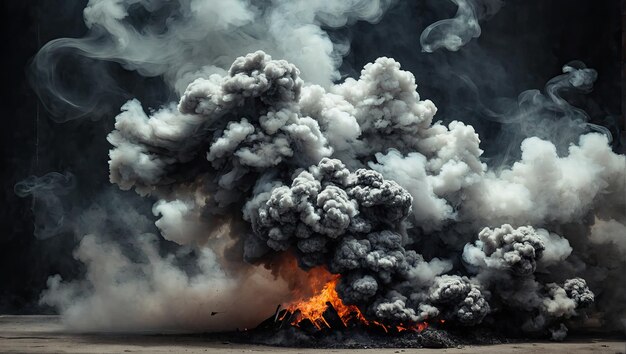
264, 155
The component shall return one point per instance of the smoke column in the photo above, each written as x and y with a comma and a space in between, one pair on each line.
266, 154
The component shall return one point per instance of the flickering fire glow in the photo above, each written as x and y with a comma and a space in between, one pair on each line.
325, 296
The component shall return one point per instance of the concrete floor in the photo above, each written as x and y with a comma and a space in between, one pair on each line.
44, 334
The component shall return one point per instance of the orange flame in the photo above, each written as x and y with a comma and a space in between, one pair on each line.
324, 295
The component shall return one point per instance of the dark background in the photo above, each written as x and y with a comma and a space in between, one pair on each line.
521, 48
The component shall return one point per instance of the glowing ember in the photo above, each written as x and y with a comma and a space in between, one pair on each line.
314, 307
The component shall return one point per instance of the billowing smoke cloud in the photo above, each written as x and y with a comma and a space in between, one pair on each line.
243, 142
506, 259
468, 304
263, 157
324, 205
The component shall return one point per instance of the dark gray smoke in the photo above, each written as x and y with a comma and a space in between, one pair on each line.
323, 205
267, 156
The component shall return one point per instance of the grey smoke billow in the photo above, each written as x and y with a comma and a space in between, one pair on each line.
266, 154
279, 134
577, 289
517, 250
469, 305
260, 141
325, 204
360, 222
503, 254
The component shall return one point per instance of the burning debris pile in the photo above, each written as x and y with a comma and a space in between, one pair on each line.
326, 310
394, 220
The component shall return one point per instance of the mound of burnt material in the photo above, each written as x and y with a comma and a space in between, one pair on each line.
332, 330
